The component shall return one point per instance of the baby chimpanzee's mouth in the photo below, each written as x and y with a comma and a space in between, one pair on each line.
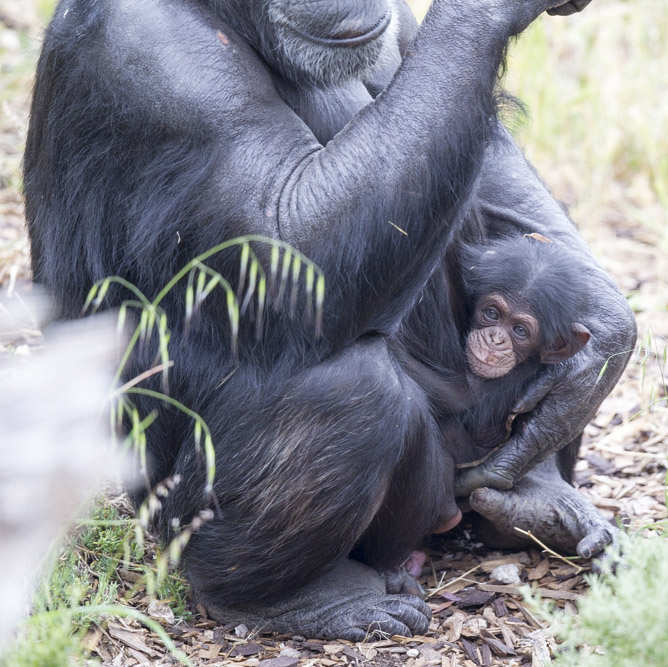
351, 36
489, 365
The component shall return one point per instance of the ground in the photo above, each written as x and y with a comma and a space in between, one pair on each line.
604, 159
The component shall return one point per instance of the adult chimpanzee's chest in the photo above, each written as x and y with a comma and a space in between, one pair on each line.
326, 110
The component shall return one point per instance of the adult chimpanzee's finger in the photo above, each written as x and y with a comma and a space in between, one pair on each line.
535, 393
412, 611
569, 8
594, 542
500, 471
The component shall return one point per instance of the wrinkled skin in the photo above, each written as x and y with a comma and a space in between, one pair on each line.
352, 602
492, 347
160, 128
504, 335
564, 520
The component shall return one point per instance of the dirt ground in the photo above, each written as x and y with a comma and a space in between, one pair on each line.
479, 617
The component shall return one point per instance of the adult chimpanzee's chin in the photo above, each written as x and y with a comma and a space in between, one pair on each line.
323, 43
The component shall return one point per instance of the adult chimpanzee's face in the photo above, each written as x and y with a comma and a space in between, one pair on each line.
502, 335
324, 41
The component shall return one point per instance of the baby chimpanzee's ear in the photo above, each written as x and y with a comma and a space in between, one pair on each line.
580, 337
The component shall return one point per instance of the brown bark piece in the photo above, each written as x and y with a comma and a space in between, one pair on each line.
133, 640
245, 650
470, 650
281, 661
540, 570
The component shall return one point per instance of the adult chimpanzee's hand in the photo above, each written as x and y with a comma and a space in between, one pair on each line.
569, 8
543, 503
563, 401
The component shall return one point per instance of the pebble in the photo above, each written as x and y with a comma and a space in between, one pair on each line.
506, 574
241, 631
289, 652
412, 653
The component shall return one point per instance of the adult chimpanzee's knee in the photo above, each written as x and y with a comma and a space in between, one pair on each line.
343, 454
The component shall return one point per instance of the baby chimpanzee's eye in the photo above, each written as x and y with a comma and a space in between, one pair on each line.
520, 331
491, 314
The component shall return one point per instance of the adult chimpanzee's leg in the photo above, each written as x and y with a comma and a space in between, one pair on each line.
304, 467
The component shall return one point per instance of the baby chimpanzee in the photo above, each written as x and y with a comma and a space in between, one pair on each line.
523, 301
517, 311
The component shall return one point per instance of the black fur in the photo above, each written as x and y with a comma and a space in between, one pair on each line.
139, 158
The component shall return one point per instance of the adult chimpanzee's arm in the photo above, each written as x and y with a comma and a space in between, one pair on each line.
512, 195
207, 106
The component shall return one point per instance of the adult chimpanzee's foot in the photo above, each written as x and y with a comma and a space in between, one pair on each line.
542, 502
352, 602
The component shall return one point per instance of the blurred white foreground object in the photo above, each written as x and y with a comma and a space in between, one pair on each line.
54, 439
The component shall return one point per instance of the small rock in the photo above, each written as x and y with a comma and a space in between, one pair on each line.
289, 652
412, 653
506, 574
241, 631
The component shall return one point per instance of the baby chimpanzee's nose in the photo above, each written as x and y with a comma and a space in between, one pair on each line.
496, 338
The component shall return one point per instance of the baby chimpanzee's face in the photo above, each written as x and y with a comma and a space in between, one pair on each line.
502, 335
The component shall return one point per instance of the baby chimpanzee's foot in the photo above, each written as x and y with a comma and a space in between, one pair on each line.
414, 563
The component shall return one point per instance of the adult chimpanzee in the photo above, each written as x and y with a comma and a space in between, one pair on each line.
160, 128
